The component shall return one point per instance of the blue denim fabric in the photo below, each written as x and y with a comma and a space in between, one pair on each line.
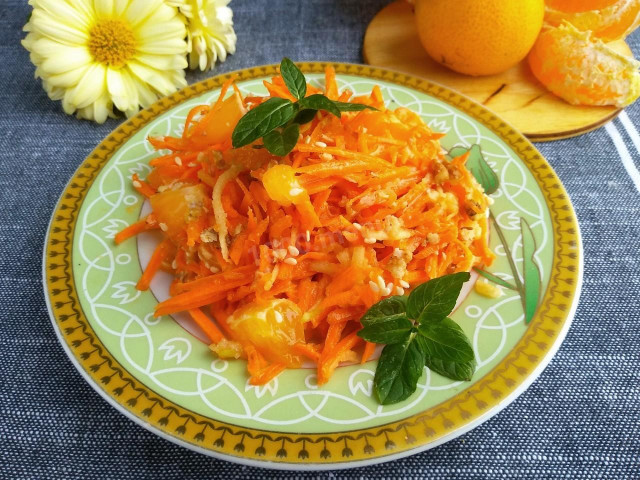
580, 419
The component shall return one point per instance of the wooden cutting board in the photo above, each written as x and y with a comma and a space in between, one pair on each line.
391, 41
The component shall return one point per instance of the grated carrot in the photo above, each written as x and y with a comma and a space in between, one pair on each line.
373, 200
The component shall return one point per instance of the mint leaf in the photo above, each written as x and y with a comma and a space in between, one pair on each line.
453, 370
305, 116
293, 78
352, 107
280, 143
266, 117
389, 330
445, 340
319, 102
399, 369
384, 308
435, 299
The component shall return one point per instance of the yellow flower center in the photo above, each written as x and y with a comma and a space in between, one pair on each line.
112, 42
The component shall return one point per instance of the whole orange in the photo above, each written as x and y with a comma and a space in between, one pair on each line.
479, 37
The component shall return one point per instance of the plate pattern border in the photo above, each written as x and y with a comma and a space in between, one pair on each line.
371, 444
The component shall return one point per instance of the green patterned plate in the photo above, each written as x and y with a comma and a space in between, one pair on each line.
159, 373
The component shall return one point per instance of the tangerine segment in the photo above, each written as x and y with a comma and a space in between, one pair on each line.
609, 23
573, 6
583, 70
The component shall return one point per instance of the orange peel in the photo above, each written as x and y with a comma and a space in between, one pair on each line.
583, 70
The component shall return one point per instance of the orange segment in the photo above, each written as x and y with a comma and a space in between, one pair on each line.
573, 6
610, 22
583, 70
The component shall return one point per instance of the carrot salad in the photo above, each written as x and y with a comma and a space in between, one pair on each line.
277, 258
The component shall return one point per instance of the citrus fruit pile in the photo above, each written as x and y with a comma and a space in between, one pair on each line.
564, 40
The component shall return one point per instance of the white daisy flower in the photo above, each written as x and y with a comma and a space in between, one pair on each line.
98, 54
210, 33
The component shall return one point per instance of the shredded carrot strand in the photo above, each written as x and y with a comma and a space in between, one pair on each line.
207, 325
160, 254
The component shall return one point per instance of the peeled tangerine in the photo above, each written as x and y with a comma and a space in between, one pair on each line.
583, 70
273, 328
607, 19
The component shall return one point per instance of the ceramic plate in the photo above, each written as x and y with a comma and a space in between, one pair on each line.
161, 374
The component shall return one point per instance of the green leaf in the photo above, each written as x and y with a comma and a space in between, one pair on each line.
305, 116
293, 78
384, 308
352, 107
319, 102
493, 278
389, 330
453, 370
399, 369
445, 340
530, 272
266, 117
435, 299
280, 143
478, 166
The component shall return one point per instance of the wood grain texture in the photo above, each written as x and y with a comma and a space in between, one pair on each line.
391, 41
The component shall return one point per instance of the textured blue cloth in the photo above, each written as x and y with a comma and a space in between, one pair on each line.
580, 419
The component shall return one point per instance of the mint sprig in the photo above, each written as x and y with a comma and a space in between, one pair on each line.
274, 120
416, 332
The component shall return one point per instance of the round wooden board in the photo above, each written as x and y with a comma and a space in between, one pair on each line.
391, 41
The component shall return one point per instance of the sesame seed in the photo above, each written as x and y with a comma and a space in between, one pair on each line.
174, 265
279, 254
307, 139
163, 227
399, 291
321, 144
369, 240
357, 226
300, 137
291, 261
404, 284
136, 184
293, 250
192, 164
308, 236
374, 287
381, 282
279, 317
326, 157
214, 269
178, 161
295, 191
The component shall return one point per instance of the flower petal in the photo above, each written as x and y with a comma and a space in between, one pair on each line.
67, 79
139, 10
65, 59
58, 31
162, 62
122, 89
164, 46
90, 87
65, 13
104, 8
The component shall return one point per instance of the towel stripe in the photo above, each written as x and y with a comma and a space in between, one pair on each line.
627, 160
